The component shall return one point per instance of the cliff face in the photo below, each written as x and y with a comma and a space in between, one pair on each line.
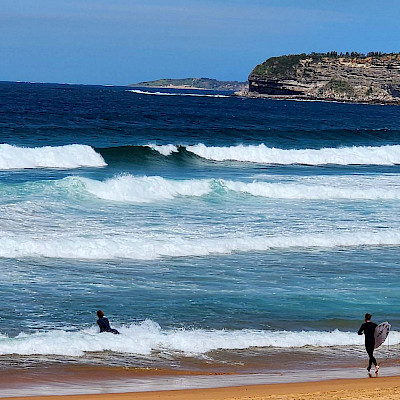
374, 79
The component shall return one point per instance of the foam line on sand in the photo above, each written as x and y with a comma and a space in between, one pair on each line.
310, 384
387, 388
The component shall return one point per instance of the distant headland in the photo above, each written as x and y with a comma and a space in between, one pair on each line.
194, 83
332, 76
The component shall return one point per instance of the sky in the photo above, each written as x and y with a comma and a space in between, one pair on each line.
119, 42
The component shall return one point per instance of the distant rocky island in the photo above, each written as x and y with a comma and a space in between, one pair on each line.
194, 83
349, 77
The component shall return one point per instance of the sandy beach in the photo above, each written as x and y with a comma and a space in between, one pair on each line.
387, 388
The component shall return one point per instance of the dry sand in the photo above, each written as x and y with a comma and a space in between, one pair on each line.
382, 388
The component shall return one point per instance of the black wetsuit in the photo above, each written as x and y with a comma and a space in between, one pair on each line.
104, 326
369, 331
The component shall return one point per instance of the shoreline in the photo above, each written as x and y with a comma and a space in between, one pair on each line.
255, 95
387, 387
84, 381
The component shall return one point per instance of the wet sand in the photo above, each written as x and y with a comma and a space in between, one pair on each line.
387, 388
32, 377
87, 382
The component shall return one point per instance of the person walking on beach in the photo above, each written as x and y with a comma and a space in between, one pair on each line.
368, 328
104, 324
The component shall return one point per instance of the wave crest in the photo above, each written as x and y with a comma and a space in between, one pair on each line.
108, 247
129, 188
64, 157
383, 155
148, 189
145, 189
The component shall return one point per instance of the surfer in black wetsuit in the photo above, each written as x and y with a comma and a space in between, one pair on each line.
103, 323
368, 328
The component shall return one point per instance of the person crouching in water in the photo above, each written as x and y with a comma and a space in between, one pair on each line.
103, 323
368, 328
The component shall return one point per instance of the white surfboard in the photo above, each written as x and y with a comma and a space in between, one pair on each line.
381, 333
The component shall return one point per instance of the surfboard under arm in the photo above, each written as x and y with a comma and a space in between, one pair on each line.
381, 333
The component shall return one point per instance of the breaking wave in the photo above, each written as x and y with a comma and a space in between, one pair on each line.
261, 154
107, 246
149, 189
148, 337
165, 150
138, 91
383, 155
64, 157
144, 189
128, 188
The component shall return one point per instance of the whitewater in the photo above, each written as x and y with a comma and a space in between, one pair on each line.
157, 93
210, 229
149, 189
76, 156
104, 246
148, 337
374, 155
68, 157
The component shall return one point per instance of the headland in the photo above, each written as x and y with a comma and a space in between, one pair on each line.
193, 83
350, 77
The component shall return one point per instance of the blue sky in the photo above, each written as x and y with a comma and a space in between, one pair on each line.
125, 41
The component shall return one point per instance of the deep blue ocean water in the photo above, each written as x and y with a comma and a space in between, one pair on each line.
197, 223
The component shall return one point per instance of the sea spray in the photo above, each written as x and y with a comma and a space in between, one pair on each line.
165, 150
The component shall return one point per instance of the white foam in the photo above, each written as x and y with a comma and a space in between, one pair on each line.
148, 337
138, 91
149, 189
165, 150
69, 156
313, 192
383, 155
112, 246
128, 188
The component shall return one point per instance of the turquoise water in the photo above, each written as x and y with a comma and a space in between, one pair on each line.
197, 224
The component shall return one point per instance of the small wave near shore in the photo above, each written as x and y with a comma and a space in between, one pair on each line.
147, 337
104, 246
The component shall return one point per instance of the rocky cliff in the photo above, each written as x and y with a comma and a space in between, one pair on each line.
374, 78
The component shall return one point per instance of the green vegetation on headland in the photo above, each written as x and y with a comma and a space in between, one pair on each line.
339, 86
282, 65
193, 83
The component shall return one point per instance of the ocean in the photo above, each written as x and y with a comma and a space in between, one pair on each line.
216, 233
